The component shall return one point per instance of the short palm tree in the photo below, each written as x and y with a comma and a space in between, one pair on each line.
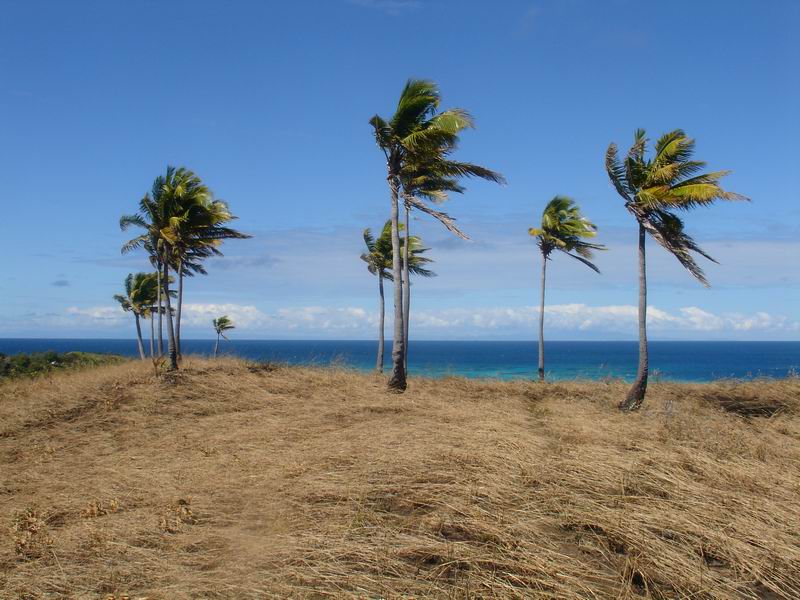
563, 229
140, 291
221, 325
379, 262
416, 142
653, 189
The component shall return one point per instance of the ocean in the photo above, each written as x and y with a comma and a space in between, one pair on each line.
669, 361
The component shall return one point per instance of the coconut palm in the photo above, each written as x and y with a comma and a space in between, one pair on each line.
140, 290
221, 325
563, 229
416, 142
653, 189
379, 262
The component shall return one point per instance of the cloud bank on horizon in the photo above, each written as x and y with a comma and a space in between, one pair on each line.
572, 321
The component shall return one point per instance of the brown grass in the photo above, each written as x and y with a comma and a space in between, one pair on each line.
237, 481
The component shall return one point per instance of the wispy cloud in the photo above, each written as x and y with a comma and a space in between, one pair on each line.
390, 7
256, 261
60, 283
613, 318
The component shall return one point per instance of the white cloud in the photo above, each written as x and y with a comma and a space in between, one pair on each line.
244, 316
613, 318
107, 315
571, 320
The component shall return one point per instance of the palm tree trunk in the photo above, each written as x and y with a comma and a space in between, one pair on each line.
152, 335
541, 319
216, 346
381, 319
178, 315
636, 394
173, 351
406, 293
139, 336
160, 310
397, 381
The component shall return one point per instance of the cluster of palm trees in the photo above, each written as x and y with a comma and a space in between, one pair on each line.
182, 225
141, 300
417, 142
379, 263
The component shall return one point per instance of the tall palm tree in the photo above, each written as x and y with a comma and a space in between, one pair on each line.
221, 325
379, 262
416, 141
653, 188
564, 229
140, 289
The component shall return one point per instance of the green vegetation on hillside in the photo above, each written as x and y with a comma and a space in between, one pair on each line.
44, 362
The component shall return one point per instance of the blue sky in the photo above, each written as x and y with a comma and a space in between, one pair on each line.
268, 102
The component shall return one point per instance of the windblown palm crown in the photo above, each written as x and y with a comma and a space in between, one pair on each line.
140, 293
223, 324
564, 228
379, 254
654, 188
417, 142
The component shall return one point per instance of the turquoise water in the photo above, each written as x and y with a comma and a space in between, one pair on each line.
674, 361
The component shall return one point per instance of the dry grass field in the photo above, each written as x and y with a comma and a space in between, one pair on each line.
232, 480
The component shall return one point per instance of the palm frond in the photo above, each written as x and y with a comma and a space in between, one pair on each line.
616, 172
585, 261
668, 230
443, 218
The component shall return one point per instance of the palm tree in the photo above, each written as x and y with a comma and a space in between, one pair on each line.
416, 142
564, 229
653, 188
379, 262
221, 325
140, 288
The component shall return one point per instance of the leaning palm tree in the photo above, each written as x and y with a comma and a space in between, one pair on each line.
140, 288
416, 142
564, 229
653, 188
379, 262
221, 325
